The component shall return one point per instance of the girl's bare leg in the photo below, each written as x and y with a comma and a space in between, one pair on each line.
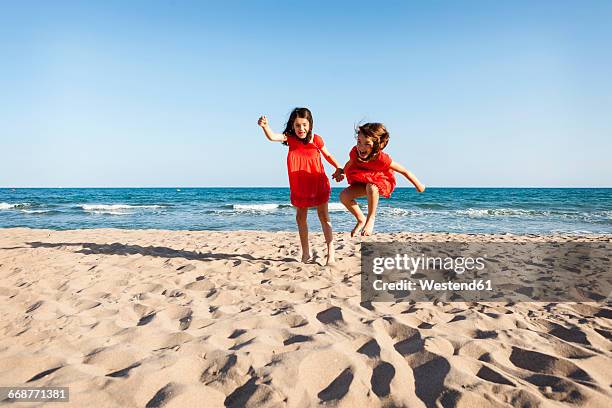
301, 216
372, 193
323, 214
347, 197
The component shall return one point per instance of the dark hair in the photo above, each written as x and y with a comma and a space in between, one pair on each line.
379, 136
302, 113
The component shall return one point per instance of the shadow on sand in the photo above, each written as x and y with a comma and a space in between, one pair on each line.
116, 248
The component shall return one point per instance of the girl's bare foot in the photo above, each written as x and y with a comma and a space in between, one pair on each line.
358, 227
368, 228
307, 258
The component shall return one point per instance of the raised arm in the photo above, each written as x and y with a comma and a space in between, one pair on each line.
273, 137
411, 177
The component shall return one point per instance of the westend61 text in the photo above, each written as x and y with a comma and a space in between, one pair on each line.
428, 285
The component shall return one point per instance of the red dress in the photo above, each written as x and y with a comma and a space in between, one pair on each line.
377, 172
308, 182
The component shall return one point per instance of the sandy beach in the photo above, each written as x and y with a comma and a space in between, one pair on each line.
137, 318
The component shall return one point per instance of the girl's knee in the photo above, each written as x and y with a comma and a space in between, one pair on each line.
344, 196
323, 217
301, 216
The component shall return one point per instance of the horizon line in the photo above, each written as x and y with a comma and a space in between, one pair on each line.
199, 187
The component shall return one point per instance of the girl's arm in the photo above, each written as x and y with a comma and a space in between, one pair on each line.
411, 177
328, 156
273, 137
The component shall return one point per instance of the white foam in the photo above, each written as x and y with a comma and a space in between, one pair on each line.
605, 214
7, 206
398, 212
500, 212
109, 212
35, 211
336, 207
115, 207
474, 212
274, 206
255, 207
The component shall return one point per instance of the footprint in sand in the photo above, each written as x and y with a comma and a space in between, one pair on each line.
44, 374
124, 372
558, 389
370, 349
162, 396
253, 393
429, 380
410, 345
146, 319
330, 316
493, 376
236, 333
297, 339
546, 364
382, 375
34, 306
185, 268
185, 322
337, 388
572, 335
606, 313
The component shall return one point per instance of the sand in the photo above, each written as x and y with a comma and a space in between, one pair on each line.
140, 318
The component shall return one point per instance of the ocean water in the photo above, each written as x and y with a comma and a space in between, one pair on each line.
466, 210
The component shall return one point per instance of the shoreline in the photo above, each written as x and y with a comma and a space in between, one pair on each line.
318, 233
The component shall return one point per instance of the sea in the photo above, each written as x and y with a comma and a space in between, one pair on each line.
454, 210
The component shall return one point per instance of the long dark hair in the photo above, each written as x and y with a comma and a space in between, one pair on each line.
302, 113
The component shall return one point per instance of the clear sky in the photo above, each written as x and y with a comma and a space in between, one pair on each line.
167, 93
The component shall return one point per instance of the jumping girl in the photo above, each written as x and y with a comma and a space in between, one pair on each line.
369, 172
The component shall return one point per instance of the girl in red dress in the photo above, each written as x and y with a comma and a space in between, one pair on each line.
308, 182
369, 172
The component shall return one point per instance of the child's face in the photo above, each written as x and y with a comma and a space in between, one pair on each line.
301, 126
364, 146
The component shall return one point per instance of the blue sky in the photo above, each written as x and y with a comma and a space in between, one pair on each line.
115, 93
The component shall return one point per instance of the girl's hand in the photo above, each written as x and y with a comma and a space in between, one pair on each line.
263, 121
420, 187
338, 175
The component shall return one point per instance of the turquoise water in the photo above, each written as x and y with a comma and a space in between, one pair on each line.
468, 210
